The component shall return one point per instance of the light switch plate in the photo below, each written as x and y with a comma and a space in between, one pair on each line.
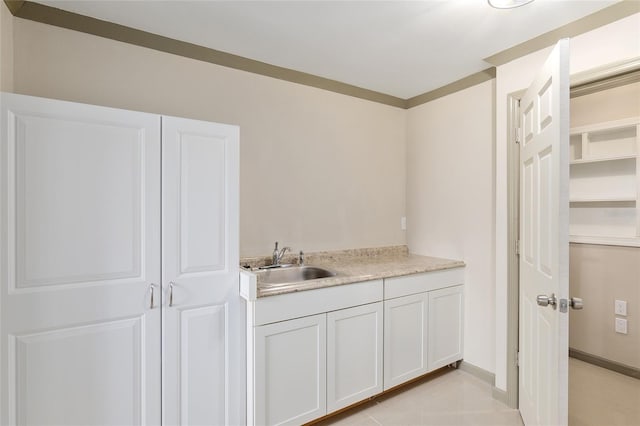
621, 325
621, 307
403, 223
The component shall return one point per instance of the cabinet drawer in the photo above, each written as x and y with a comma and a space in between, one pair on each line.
295, 305
420, 283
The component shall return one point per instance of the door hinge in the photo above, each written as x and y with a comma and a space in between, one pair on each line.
516, 136
518, 359
517, 247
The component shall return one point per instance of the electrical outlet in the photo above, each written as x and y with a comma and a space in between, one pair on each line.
403, 223
621, 307
621, 325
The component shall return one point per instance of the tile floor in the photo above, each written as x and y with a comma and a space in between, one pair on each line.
597, 397
601, 397
451, 397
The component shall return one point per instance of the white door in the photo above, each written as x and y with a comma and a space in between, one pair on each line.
204, 331
544, 242
446, 325
405, 338
290, 371
79, 245
354, 355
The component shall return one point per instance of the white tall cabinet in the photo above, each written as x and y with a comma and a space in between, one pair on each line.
118, 267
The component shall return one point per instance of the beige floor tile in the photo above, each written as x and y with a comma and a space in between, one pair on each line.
601, 397
450, 397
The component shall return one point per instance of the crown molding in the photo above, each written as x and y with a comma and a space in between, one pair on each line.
57, 17
456, 86
73, 21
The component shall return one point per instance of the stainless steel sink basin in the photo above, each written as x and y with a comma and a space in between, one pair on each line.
294, 274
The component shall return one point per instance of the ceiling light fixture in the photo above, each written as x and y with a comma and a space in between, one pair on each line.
507, 4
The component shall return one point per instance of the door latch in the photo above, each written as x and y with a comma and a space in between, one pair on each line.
544, 300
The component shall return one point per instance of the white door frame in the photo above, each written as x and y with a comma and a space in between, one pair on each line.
597, 79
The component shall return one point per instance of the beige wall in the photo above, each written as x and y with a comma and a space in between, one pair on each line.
602, 274
6, 48
614, 42
319, 170
450, 201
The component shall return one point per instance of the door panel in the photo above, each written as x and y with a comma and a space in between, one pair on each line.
58, 163
405, 345
204, 375
202, 202
290, 371
446, 325
354, 354
105, 358
202, 365
544, 233
80, 253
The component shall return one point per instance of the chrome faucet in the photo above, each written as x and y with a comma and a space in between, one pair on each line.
277, 255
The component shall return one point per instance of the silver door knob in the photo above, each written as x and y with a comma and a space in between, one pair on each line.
576, 303
544, 300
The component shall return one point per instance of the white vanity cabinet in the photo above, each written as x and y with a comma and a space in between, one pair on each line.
311, 353
423, 324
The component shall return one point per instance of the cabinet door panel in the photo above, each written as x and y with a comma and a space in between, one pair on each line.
290, 371
405, 331
354, 355
80, 222
445, 326
203, 345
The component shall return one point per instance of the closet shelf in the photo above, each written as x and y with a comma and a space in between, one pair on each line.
604, 179
605, 240
604, 159
621, 199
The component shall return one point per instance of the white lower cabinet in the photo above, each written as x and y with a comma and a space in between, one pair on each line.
423, 324
405, 331
354, 355
290, 365
314, 352
307, 367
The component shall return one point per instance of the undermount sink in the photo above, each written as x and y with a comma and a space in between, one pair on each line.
292, 274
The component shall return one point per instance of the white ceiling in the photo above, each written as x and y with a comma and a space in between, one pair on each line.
401, 48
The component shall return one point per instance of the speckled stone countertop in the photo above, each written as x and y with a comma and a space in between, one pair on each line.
350, 266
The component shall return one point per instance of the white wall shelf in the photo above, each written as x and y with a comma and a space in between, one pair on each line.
597, 160
604, 184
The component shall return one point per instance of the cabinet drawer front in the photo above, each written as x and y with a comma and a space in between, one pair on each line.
295, 305
420, 283
290, 371
354, 355
405, 344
